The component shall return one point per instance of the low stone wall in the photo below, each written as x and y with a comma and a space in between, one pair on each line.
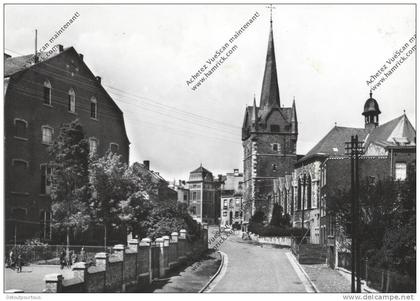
129, 268
284, 241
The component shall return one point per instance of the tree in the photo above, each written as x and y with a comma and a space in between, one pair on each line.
69, 159
110, 190
387, 221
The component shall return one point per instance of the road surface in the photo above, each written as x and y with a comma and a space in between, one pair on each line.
252, 268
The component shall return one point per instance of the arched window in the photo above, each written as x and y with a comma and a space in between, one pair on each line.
309, 192
21, 126
299, 194
47, 92
71, 101
93, 108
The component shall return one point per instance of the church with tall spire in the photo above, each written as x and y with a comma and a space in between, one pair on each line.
269, 137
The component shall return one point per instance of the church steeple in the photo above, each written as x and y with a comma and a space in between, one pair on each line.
270, 97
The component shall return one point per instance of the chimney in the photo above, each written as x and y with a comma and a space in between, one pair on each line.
60, 48
98, 79
146, 164
236, 172
179, 183
81, 56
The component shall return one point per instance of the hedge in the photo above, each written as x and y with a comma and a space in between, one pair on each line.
271, 231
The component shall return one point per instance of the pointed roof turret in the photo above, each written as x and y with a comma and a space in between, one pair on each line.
255, 114
293, 119
270, 97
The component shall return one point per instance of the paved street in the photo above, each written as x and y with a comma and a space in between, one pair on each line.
31, 279
252, 268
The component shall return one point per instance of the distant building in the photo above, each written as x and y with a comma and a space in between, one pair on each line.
202, 188
269, 137
232, 198
41, 93
162, 192
182, 190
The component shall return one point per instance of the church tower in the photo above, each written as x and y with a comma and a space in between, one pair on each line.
269, 137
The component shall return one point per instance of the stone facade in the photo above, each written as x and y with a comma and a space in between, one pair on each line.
269, 137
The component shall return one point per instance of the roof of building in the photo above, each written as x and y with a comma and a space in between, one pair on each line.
13, 65
154, 174
203, 173
398, 131
333, 144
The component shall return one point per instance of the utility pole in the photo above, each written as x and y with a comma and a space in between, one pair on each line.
354, 149
303, 202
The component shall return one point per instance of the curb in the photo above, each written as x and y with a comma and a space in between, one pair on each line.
205, 287
293, 258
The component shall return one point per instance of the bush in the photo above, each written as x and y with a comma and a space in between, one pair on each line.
258, 217
270, 230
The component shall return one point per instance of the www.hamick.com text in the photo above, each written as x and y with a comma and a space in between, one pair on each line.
218, 58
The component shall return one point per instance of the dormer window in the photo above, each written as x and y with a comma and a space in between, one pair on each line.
47, 92
274, 166
275, 147
72, 101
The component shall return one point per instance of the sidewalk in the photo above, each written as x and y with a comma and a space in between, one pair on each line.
31, 279
326, 279
188, 280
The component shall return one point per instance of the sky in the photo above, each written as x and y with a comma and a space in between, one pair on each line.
145, 55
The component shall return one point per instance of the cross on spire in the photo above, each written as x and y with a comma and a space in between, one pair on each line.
271, 7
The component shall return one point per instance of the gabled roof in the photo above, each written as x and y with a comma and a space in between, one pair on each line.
333, 144
398, 131
13, 65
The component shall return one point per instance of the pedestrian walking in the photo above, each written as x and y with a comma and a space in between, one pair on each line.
73, 257
63, 258
19, 263
11, 259
69, 263
82, 256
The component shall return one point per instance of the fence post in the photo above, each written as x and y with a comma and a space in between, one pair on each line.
53, 283
160, 244
366, 271
80, 271
382, 280
166, 245
120, 251
146, 242
102, 260
388, 274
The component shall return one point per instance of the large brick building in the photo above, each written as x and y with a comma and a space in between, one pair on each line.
389, 151
42, 93
269, 137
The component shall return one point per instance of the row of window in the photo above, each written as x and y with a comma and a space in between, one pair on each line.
47, 133
20, 167
71, 100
